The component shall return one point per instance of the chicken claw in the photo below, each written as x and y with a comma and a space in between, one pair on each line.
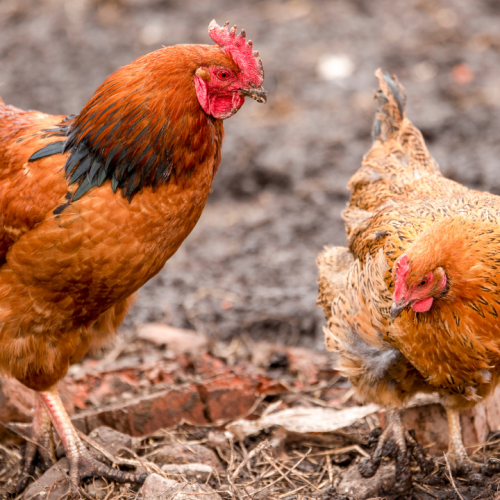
395, 442
82, 463
42, 441
460, 463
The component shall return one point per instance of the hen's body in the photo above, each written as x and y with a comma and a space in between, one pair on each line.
402, 205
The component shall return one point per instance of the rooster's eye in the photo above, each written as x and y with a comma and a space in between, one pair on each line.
223, 75
423, 282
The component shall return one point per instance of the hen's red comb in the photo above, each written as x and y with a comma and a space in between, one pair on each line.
240, 50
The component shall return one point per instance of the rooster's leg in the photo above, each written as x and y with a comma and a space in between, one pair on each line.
396, 443
41, 441
81, 462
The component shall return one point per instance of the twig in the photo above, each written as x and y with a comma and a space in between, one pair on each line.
233, 486
290, 493
11, 453
274, 466
262, 446
110, 492
450, 475
339, 451
428, 491
178, 440
286, 474
328, 459
302, 477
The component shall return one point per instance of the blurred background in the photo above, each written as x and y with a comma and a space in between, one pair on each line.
249, 266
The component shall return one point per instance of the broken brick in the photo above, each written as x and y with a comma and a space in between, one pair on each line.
146, 414
229, 397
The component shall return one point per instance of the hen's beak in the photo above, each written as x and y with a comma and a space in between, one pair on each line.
397, 308
259, 94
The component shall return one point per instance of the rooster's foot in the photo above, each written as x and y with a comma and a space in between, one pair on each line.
39, 441
395, 442
81, 463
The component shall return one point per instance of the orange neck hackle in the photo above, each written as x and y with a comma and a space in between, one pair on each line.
442, 266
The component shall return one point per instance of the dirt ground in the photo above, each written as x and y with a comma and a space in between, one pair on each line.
248, 268
249, 265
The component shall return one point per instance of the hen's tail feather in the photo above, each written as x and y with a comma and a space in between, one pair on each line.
392, 107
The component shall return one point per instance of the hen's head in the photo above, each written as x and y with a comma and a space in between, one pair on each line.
414, 287
221, 85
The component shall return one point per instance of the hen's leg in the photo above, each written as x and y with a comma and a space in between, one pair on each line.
460, 462
81, 462
395, 442
391, 443
42, 441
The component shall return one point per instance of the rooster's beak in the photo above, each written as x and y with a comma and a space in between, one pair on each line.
397, 308
259, 94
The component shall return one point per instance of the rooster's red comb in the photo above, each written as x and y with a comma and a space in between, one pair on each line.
239, 50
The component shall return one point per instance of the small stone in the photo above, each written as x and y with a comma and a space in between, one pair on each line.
179, 454
356, 487
156, 484
159, 488
191, 471
98, 488
112, 441
55, 480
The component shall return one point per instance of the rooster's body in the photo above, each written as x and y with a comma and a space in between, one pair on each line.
92, 206
415, 309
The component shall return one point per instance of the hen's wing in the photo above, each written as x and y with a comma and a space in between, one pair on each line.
355, 305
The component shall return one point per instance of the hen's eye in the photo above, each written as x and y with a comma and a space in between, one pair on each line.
423, 282
223, 75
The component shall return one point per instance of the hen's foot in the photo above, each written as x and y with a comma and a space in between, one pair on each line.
460, 463
425, 464
81, 462
400, 445
41, 442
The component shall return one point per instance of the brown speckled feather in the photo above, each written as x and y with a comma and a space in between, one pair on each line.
401, 203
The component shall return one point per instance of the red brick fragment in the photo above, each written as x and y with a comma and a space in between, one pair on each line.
144, 415
229, 397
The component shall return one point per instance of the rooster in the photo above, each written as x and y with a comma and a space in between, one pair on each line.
412, 305
92, 206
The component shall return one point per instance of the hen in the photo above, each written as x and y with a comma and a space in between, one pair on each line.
92, 206
412, 305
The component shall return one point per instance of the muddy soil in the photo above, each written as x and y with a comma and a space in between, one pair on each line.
249, 266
